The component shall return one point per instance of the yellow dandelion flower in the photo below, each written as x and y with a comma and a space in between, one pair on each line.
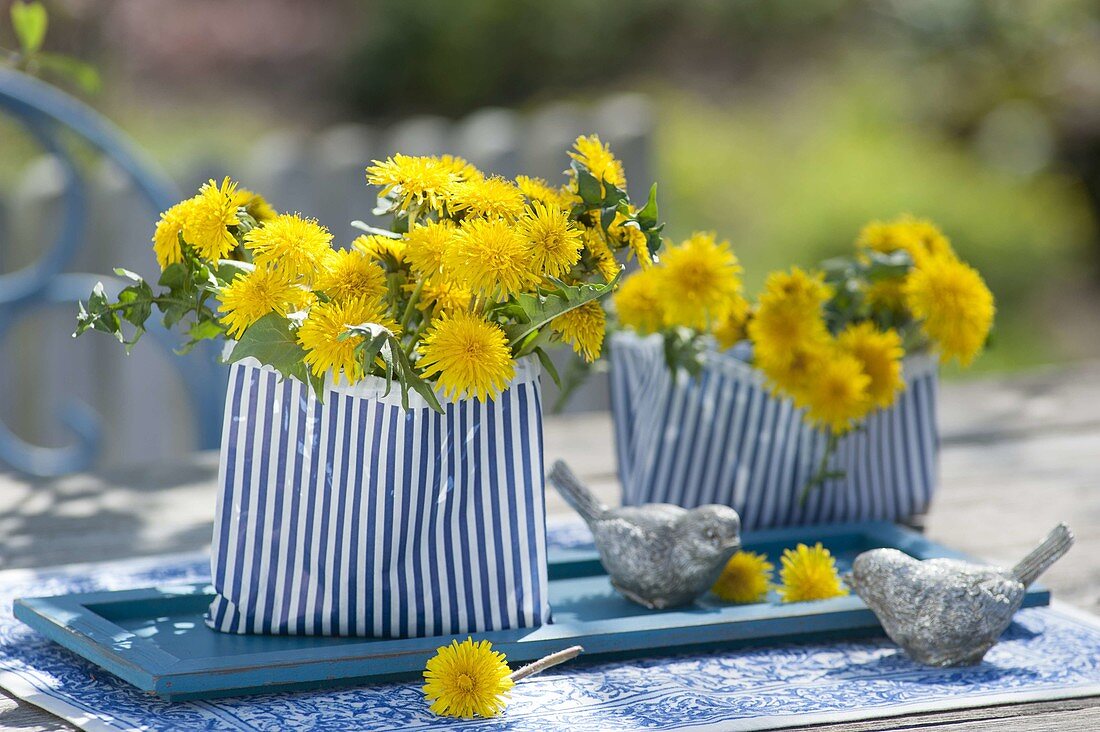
462, 168
537, 189
638, 302
886, 294
933, 242
254, 205
730, 329
425, 246
888, 237
207, 220
569, 197
836, 395
288, 241
583, 328
350, 273
788, 318
809, 573
880, 354
638, 242
745, 578
555, 241
790, 373
166, 237
630, 235
491, 197
919, 237
442, 296
701, 278
597, 157
468, 355
954, 306
321, 331
603, 259
490, 257
467, 678
252, 295
390, 252
414, 181
786, 341
802, 288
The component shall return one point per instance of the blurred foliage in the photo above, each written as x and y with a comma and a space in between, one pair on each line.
29, 21
791, 175
784, 124
418, 56
1018, 81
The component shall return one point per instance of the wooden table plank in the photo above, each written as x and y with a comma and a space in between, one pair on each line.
1020, 454
19, 716
1069, 715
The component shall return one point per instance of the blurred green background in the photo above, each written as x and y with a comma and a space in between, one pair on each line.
782, 124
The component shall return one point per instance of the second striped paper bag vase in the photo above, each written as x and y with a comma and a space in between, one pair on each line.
724, 438
354, 516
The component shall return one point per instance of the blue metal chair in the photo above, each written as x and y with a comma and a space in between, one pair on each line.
49, 116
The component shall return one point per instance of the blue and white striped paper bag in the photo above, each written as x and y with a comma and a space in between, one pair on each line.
356, 517
723, 438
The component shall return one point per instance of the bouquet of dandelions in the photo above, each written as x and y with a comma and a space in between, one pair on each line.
473, 273
831, 340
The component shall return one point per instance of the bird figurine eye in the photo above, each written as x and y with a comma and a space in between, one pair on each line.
710, 534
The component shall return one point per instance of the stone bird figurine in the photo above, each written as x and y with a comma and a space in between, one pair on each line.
658, 555
946, 612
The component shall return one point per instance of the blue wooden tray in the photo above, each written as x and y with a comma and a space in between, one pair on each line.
156, 640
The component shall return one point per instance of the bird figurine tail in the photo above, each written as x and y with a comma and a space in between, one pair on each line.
1057, 543
575, 493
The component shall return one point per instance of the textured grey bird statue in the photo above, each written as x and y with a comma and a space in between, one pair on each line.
657, 555
946, 612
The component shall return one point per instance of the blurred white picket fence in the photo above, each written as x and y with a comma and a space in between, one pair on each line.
145, 414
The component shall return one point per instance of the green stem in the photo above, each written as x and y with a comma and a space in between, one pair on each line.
111, 307
394, 288
416, 336
822, 473
414, 298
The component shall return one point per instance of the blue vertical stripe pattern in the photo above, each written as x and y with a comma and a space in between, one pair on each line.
723, 438
357, 517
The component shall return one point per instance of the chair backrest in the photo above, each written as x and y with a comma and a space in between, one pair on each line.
106, 217
54, 119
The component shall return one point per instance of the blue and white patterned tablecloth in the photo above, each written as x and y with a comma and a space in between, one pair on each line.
1048, 653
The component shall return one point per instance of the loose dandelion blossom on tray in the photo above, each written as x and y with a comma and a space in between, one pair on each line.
746, 578
809, 573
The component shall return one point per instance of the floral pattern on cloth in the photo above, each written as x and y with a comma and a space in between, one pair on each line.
1048, 653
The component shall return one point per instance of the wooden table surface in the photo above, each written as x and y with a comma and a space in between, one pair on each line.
1020, 454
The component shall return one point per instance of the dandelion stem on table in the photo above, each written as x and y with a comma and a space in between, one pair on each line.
547, 662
